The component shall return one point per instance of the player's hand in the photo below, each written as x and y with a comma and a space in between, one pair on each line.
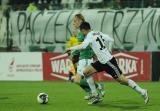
68, 51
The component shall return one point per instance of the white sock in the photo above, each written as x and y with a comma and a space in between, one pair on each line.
99, 86
135, 86
91, 84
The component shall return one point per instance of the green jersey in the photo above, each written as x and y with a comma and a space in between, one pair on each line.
84, 53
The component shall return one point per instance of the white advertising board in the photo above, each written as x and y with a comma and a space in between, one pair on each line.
21, 66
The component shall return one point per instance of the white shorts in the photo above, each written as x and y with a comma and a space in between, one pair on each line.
82, 65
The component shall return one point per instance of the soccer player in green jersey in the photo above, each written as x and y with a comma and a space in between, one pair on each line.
84, 58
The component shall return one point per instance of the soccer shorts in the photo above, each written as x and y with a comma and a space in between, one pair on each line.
111, 67
82, 65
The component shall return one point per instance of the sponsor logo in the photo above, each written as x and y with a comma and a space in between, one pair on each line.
11, 65
60, 66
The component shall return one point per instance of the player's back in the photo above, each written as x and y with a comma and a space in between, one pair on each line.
98, 44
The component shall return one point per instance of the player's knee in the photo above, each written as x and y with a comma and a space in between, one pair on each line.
122, 81
86, 73
79, 72
76, 79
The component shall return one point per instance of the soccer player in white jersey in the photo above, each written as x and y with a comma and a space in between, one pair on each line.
106, 62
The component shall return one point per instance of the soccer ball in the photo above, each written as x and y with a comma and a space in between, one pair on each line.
42, 98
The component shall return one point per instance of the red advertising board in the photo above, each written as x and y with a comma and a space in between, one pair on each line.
134, 65
55, 66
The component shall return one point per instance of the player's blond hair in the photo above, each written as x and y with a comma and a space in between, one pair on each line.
80, 16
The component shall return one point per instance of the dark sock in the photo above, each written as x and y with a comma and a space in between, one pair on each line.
96, 84
84, 85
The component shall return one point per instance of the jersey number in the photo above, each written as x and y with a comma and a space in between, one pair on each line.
100, 40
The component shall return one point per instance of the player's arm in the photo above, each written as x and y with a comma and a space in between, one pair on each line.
83, 45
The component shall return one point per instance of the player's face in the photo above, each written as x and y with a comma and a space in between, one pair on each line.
85, 32
76, 22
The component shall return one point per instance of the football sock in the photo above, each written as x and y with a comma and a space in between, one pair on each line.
84, 85
135, 86
96, 84
91, 83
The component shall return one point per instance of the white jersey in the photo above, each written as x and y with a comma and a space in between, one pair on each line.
98, 42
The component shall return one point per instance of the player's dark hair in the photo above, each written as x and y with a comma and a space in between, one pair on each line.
85, 26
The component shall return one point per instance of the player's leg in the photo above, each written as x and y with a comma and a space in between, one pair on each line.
74, 77
82, 64
123, 80
89, 70
99, 87
80, 80
113, 69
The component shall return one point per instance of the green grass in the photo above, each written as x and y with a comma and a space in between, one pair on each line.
65, 96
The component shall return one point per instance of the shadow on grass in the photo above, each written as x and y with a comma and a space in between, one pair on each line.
2, 98
124, 105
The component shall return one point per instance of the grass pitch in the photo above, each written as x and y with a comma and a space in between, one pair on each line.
65, 96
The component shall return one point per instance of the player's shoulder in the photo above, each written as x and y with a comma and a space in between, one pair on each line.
104, 34
94, 33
